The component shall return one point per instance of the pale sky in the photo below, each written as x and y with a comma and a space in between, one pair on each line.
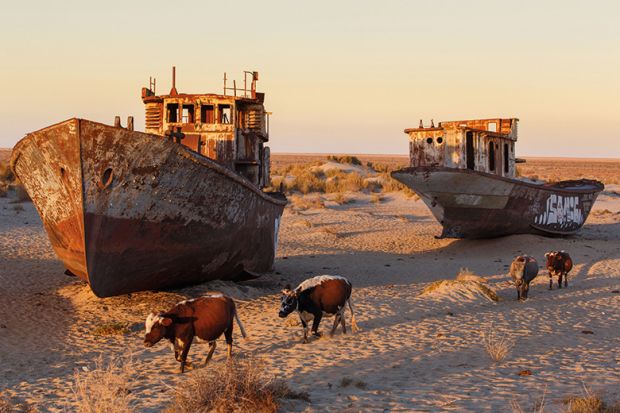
339, 76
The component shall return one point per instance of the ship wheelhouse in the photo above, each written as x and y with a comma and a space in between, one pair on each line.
231, 128
484, 145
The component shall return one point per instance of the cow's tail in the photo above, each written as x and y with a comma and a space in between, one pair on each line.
354, 326
240, 324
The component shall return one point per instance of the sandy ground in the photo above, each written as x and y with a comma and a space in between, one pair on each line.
415, 353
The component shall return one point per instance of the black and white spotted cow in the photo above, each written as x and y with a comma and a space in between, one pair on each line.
324, 295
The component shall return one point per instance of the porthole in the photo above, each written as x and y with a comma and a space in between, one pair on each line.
429, 140
440, 140
106, 179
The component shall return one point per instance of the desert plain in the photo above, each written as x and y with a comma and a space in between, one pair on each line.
415, 351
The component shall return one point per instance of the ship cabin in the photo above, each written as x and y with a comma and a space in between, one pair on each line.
230, 128
484, 145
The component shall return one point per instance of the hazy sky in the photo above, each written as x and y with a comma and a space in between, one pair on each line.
339, 76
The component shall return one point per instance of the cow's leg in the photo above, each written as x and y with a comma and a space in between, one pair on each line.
565, 279
560, 280
184, 352
212, 346
305, 326
344, 327
316, 322
550, 281
336, 322
228, 335
518, 294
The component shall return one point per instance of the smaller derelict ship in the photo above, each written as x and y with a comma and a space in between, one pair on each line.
465, 172
182, 203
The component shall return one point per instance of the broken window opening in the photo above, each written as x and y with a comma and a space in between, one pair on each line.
506, 159
440, 140
224, 114
469, 153
491, 157
188, 114
492, 127
207, 114
429, 140
172, 112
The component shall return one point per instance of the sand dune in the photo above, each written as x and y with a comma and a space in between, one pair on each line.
415, 353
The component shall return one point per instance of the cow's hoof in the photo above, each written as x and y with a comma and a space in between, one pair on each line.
317, 334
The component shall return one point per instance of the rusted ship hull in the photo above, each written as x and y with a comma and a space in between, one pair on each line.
129, 211
472, 204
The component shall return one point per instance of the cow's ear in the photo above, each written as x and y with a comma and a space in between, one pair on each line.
166, 321
547, 254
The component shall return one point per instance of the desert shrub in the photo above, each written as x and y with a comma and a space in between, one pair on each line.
242, 385
589, 402
6, 174
347, 381
497, 346
352, 160
306, 202
20, 193
8, 406
345, 182
104, 388
112, 328
306, 181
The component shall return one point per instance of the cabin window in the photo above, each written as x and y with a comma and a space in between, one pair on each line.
506, 158
172, 112
469, 152
491, 157
492, 127
429, 140
224, 114
440, 140
188, 114
207, 114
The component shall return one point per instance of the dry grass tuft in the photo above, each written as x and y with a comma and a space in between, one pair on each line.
20, 193
497, 346
6, 174
465, 274
352, 160
463, 289
112, 328
7, 406
589, 402
376, 199
347, 381
242, 385
103, 389
306, 202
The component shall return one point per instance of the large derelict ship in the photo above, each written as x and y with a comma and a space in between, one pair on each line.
181, 203
465, 172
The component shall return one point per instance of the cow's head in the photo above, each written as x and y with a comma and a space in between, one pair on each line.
288, 302
555, 262
155, 328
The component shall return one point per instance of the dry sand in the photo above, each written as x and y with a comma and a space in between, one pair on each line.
415, 353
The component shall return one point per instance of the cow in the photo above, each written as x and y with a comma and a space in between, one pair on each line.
206, 317
558, 263
522, 271
323, 295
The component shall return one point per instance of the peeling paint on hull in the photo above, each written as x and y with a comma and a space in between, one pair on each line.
129, 211
472, 204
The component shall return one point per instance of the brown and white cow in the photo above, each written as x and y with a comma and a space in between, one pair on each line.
320, 296
206, 317
559, 263
523, 270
